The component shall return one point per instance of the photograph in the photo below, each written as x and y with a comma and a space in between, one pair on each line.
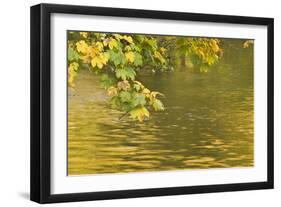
129, 103
153, 102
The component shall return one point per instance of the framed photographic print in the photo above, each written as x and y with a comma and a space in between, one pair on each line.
133, 103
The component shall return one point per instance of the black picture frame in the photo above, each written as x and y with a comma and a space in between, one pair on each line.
41, 97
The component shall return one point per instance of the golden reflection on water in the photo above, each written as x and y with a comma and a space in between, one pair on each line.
208, 123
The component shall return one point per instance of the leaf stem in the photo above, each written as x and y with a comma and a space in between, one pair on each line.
121, 117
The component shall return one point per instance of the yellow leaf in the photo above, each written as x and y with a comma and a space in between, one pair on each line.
127, 48
99, 61
159, 57
84, 34
72, 73
105, 42
130, 56
85, 59
118, 36
112, 91
155, 93
128, 38
99, 46
216, 48
99, 64
201, 53
146, 91
104, 58
123, 85
94, 51
139, 113
94, 61
112, 43
163, 50
247, 43
82, 47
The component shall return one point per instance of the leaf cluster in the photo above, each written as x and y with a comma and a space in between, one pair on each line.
119, 58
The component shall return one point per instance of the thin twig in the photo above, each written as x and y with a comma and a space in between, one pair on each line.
123, 115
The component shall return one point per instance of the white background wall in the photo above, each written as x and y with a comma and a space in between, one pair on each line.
14, 102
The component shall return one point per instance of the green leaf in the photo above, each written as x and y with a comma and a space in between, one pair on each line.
137, 87
140, 38
130, 56
116, 57
195, 59
115, 102
125, 73
136, 47
125, 96
107, 81
138, 59
72, 55
139, 99
180, 41
152, 43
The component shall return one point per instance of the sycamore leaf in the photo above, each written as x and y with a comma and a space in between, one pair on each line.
72, 73
82, 47
106, 81
72, 55
139, 113
138, 59
163, 50
140, 38
159, 57
158, 105
152, 43
125, 96
123, 85
116, 57
118, 36
136, 48
115, 102
112, 91
84, 34
99, 45
112, 43
145, 91
139, 99
247, 43
96, 62
129, 39
94, 51
130, 56
155, 93
140, 84
99, 61
127, 48
215, 46
125, 73
137, 87
105, 42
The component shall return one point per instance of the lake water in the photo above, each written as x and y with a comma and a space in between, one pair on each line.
208, 122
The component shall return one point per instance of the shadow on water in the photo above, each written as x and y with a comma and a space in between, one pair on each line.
208, 122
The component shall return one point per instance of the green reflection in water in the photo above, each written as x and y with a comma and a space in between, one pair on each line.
208, 122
